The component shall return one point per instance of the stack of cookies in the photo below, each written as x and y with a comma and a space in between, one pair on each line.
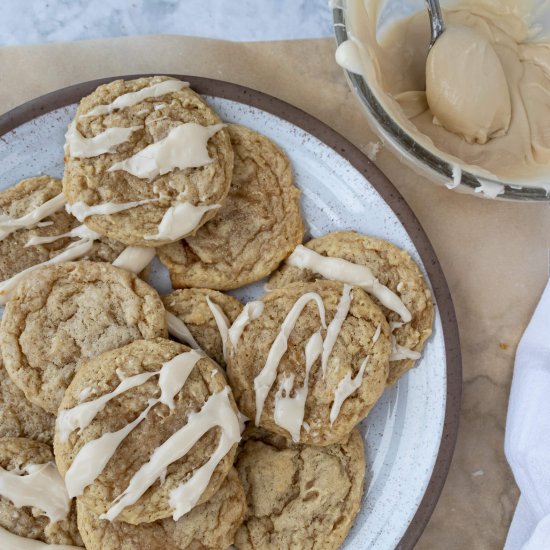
130, 420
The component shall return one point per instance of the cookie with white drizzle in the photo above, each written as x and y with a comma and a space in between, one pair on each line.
34, 503
310, 362
68, 312
390, 265
147, 161
207, 314
257, 227
299, 496
21, 418
208, 526
146, 431
32, 215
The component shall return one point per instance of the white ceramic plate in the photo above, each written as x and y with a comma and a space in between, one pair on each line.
403, 434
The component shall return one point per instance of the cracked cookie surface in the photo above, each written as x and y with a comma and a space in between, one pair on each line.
355, 342
257, 227
23, 198
209, 526
102, 374
89, 180
64, 313
299, 496
394, 268
21, 418
191, 307
30, 522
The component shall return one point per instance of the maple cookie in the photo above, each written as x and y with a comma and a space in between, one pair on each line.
209, 526
207, 314
34, 503
32, 213
158, 423
21, 418
64, 313
257, 227
393, 268
299, 496
147, 161
310, 360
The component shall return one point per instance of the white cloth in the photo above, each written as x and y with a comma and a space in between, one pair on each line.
527, 442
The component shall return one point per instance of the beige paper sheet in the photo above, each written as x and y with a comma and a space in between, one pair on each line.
494, 254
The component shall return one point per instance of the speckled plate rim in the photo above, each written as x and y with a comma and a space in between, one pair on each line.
206, 86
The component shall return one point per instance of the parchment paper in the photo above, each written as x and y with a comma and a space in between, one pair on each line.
494, 254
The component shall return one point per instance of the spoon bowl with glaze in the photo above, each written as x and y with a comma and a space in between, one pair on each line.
430, 162
436, 20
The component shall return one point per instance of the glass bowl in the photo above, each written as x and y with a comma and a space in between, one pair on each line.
418, 157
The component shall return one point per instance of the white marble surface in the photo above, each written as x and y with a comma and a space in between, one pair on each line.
37, 21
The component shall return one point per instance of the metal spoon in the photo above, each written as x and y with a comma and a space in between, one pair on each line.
436, 20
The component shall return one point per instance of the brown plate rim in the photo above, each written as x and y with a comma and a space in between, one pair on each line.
235, 92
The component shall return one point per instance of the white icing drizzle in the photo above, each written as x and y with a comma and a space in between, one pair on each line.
401, 352
289, 411
338, 269
133, 98
42, 488
135, 258
180, 220
346, 387
80, 232
9, 541
174, 374
334, 327
79, 417
266, 377
120, 373
177, 328
94, 455
74, 251
85, 393
80, 210
162, 477
132, 258
216, 411
222, 323
78, 146
376, 334
9, 225
185, 146
250, 312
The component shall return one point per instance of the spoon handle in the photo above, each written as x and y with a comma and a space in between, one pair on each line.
436, 19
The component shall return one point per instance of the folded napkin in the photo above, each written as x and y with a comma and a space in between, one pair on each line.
527, 442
